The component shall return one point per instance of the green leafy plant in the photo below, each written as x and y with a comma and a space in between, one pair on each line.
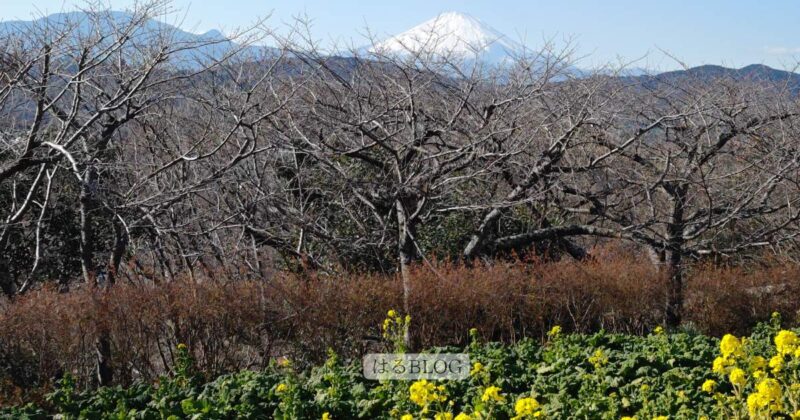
601, 375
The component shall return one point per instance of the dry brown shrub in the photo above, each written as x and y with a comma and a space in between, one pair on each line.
733, 299
231, 325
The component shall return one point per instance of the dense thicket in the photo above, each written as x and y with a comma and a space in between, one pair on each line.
229, 325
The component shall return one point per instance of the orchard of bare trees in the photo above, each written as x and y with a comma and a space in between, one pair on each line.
129, 154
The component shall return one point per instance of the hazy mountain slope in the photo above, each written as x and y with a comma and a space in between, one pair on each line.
709, 73
81, 25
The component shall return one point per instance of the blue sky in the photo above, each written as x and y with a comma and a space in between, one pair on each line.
732, 33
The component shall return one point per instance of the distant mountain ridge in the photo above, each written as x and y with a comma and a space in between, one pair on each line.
450, 32
709, 72
217, 44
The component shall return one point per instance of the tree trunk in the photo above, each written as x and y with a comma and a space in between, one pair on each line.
674, 310
86, 208
105, 373
120, 244
657, 257
674, 257
407, 254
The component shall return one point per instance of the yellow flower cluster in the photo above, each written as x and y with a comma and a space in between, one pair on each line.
554, 332
527, 408
709, 386
761, 387
492, 394
787, 343
776, 363
424, 392
598, 359
730, 348
395, 328
477, 368
766, 399
393, 321
737, 377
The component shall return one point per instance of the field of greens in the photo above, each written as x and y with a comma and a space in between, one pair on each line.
662, 375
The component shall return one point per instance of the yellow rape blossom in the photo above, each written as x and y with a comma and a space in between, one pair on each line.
786, 342
709, 386
598, 359
776, 363
737, 377
754, 403
758, 363
443, 416
730, 346
527, 407
720, 363
766, 398
477, 367
326, 416
423, 392
492, 393
555, 331
407, 417
770, 388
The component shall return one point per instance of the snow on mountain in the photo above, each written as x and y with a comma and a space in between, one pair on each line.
452, 34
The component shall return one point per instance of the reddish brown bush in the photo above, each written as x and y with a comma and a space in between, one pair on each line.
733, 299
242, 324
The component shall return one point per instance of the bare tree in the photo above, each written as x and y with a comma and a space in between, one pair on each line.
716, 178
79, 97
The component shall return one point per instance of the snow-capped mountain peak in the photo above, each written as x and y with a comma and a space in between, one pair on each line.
452, 34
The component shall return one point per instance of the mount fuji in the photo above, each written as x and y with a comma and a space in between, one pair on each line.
453, 35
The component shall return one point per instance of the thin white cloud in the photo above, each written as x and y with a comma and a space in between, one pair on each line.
782, 50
